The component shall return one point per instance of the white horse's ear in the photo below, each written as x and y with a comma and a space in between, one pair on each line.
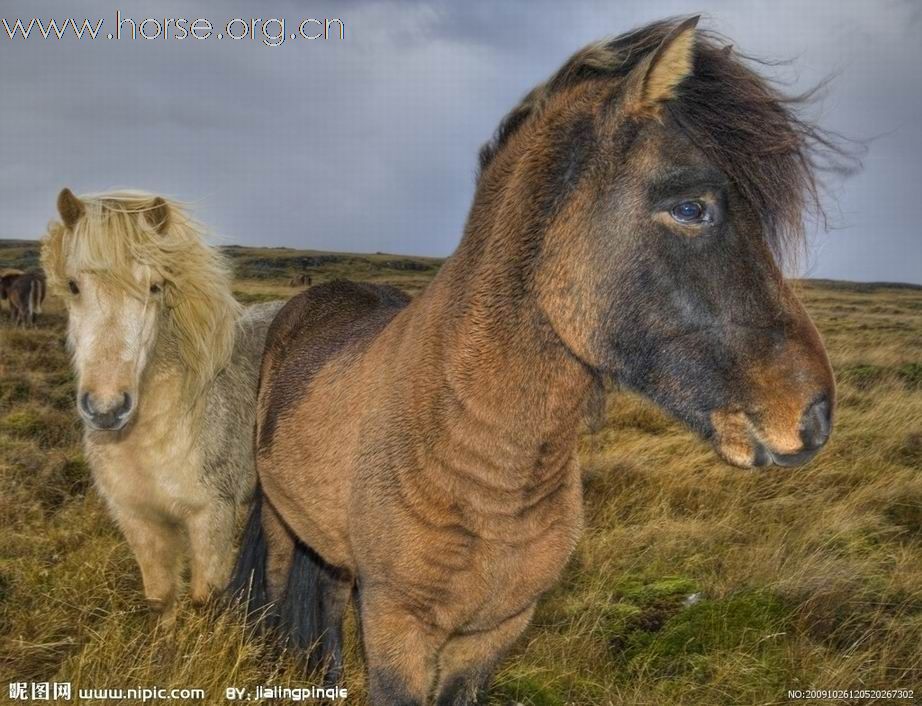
70, 208
158, 215
655, 79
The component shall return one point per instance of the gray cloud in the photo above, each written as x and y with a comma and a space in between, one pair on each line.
370, 144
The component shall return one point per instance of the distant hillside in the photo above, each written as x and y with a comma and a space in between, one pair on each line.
270, 263
21, 254
257, 263
862, 286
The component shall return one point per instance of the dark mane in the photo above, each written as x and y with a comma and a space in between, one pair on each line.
742, 121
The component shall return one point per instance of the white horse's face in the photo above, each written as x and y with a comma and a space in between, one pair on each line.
111, 333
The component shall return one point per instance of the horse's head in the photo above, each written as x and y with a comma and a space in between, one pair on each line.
664, 175
112, 320
121, 266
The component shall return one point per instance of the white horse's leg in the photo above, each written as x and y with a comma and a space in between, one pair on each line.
211, 540
157, 547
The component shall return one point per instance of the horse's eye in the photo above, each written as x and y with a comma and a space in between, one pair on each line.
688, 212
72, 286
155, 289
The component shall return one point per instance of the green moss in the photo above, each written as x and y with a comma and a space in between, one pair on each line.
644, 591
635, 602
46, 427
643, 606
619, 617
23, 423
910, 374
744, 623
527, 689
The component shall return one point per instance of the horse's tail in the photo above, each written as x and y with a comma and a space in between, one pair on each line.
34, 305
248, 580
38, 294
297, 615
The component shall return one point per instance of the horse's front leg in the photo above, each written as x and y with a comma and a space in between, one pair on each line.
211, 543
157, 547
467, 661
400, 650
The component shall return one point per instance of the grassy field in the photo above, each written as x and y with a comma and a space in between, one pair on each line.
694, 583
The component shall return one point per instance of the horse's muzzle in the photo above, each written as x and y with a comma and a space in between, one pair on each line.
741, 441
815, 428
105, 416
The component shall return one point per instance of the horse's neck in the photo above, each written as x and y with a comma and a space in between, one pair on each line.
512, 394
165, 384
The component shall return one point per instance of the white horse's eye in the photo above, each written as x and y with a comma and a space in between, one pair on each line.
72, 286
156, 289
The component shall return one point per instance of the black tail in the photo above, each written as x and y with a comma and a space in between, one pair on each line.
248, 580
300, 611
297, 615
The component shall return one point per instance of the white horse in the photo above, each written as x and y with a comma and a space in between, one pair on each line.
167, 366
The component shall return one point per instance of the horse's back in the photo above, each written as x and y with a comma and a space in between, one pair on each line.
315, 326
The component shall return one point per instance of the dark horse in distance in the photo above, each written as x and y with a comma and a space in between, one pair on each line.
26, 293
628, 223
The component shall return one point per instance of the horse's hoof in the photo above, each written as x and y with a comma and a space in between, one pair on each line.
164, 608
157, 605
202, 599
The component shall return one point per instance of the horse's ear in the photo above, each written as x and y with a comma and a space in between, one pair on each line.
655, 79
158, 215
70, 208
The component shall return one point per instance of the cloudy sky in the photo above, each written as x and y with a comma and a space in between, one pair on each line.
370, 143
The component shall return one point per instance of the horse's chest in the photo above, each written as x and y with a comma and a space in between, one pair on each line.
514, 573
516, 570
150, 470
488, 567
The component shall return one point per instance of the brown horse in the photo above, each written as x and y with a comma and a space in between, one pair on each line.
626, 224
302, 280
26, 293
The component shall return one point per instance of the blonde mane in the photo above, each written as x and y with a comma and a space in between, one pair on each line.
113, 237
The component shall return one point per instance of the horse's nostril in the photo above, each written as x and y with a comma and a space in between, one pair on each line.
86, 404
817, 423
126, 405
